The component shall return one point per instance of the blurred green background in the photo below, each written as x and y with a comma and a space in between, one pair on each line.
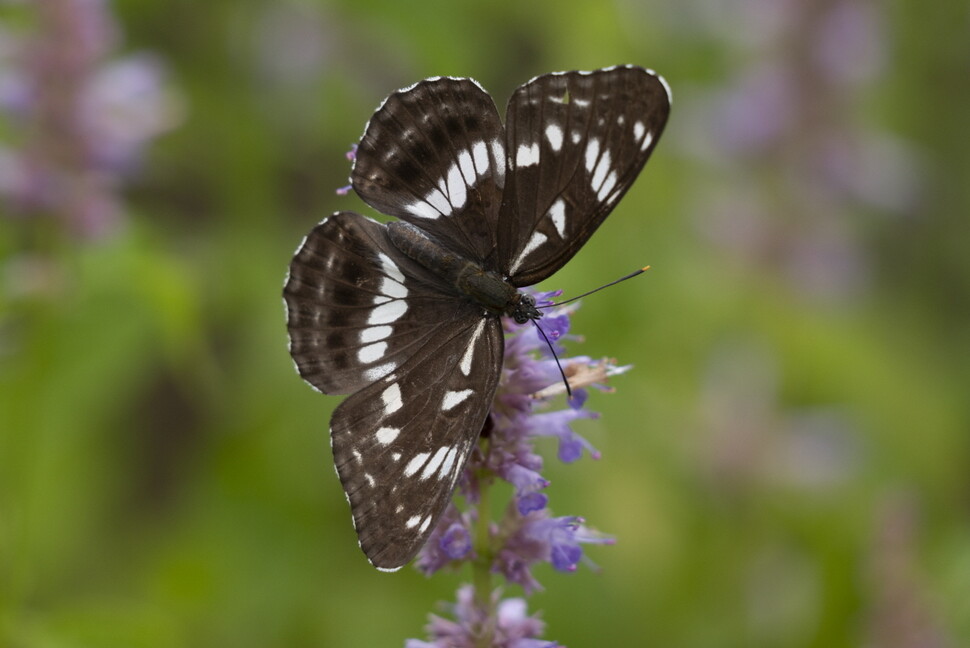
787, 465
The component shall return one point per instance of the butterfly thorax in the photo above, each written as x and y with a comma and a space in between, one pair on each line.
484, 287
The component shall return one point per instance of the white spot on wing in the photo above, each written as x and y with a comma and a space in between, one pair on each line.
607, 186
412, 521
415, 464
392, 400
387, 312
374, 333
558, 215
433, 205
592, 153
424, 525
449, 463
422, 209
600, 172
393, 289
554, 135
480, 155
376, 373
638, 130
386, 435
538, 238
457, 191
452, 398
498, 158
466, 360
438, 200
646, 142
390, 268
467, 167
527, 155
372, 352
436, 461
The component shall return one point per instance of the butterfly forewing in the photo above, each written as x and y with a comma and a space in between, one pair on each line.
433, 155
576, 142
401, 443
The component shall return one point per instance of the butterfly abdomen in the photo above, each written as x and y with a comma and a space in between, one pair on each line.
417, 246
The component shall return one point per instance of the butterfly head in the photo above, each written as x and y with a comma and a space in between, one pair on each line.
522, 308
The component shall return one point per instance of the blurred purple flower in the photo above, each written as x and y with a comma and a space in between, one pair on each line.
124, 106
293, 45
849, 47
786, 123
755, 110
902, 612
751, 440
82, 119
875, 170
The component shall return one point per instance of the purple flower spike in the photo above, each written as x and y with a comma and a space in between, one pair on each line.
449, 542
514, 627
527, 534
570, 449
578, 399
524, 479
532, 502
512, 564
351, 155
556, 424
565, 556
455, 543
555, 328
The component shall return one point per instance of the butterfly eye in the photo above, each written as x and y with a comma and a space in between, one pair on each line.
524, 309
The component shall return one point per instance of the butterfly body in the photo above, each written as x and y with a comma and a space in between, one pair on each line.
405, 317
483, 287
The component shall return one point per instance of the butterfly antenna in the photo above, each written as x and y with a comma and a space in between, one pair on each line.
569, 391
612, 283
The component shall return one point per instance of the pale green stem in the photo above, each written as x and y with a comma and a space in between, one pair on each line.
482, 565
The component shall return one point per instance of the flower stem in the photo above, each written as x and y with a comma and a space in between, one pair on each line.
482, 564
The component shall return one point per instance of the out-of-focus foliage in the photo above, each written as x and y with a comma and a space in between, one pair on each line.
788, 464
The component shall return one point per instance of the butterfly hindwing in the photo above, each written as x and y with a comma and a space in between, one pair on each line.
420, 363
576, 142
433, 155
401, 443
356, 307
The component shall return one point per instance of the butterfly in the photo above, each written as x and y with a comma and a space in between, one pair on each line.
405, 316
